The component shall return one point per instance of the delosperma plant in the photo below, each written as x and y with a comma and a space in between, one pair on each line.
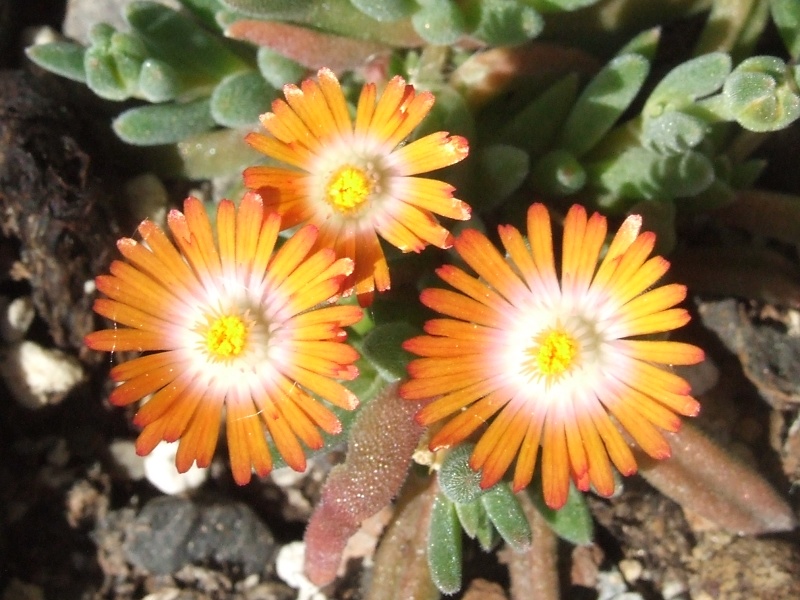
446, 250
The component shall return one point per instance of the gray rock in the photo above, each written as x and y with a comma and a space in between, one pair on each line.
170, 533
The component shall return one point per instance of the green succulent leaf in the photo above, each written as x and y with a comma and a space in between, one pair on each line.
62, 58
163, 123
502, 22
158, 82
696, 78
642, 174
240, 98
382, 348
645, 44
100, 35
277, 69
459, 482
201, 57
507, 516
206, 11
759, 94
385, 10
501, 170
786, 15
572, 522
535, 126
548, 6
216, 153
602, 102
439, 22
558, 173
103, 77
673, 132
444, 546
475, 522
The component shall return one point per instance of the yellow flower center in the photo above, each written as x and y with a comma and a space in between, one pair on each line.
226, 337
555, 353
348, 188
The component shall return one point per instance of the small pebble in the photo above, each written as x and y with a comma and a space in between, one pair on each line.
289, 567
160, 470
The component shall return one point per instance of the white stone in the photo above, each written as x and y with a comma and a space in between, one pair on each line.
124, 454
289, 567
39, 376
160, 470
17, 318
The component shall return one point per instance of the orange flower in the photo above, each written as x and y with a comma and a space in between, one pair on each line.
230, 324
554, 360
356, 181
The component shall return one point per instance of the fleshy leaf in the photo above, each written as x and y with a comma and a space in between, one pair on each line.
385, 10
558, 173
382, 348
602, 102
572, 522
102, 76
501, 170
547, 6
163, 123
380, 446
444, 546
277, 69
240, 98
334, 16
201, 57
215, 154
439, 22
473, 517
760, 95
696, 78
401, 562
786, 15
62, 58
534, 573
308, 47
534, 127
764, 213
704, 478
507, 516
459, 482
641, 174
502, 22
158, 82
645, 44
673, 132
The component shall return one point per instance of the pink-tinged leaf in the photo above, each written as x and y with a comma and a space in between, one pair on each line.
534, 572
764, 213
401, 562
746, 272
312, 49
486, 75
708, 481
380, 446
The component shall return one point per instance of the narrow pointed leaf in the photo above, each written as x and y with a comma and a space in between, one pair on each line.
62, 58
602, 102
507, 516
444, 546
704, 478
164, 123
572, 522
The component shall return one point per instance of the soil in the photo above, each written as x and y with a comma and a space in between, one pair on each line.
78, 521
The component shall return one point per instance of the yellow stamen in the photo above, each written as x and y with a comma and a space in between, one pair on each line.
555, 352
226, 337
348, 188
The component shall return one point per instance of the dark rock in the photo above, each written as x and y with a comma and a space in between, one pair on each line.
171, 532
